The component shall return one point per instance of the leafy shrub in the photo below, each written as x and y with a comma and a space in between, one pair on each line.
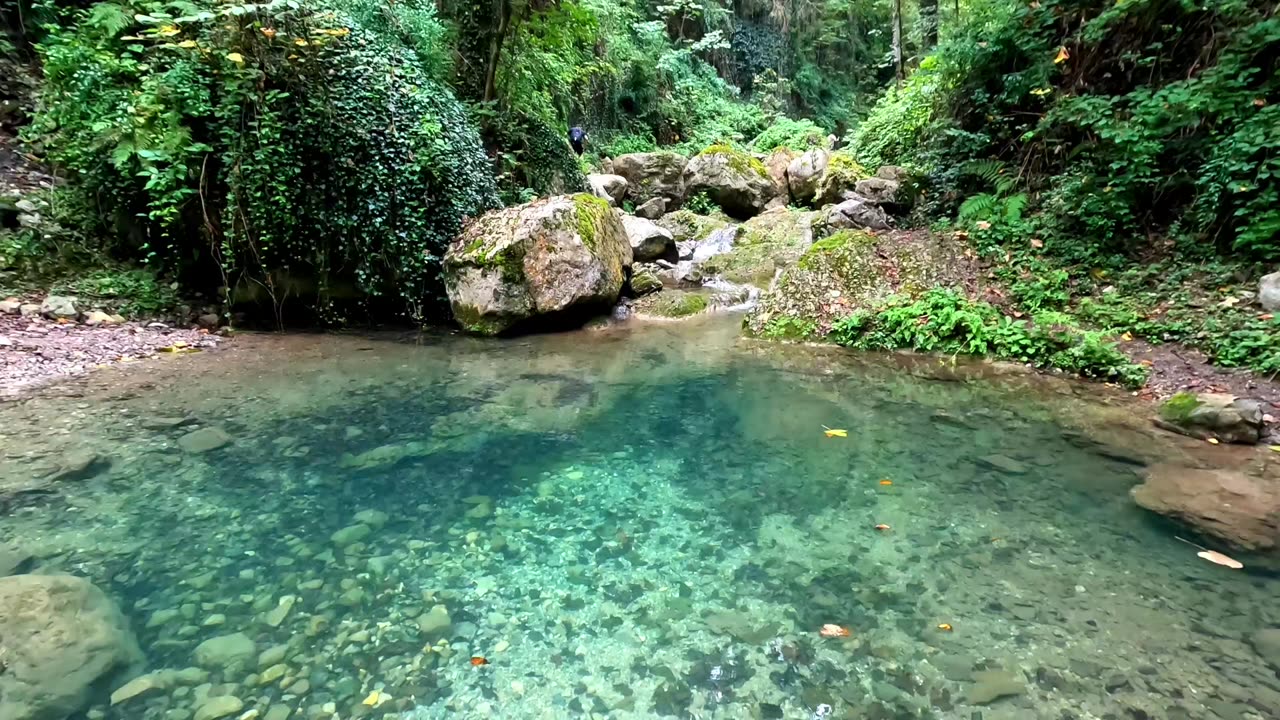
791, 134
943, 321
272, 149
892, 131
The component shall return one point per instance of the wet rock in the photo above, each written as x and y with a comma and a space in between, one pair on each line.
649, 241
1003, 464
350, 535
219, 707
653, 209
1213, 415
62, 637
562, 256
733, 180
1269, 292
1239, 509
610, 188
672, 304
991, 685
59, 307
78, 464
204, 440
644, 282
275, 617
278, 712
273, 655
435, 623
1266, 643
225, 651
650, 175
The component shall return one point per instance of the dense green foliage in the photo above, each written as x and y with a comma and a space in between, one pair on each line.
944, 322
279, 149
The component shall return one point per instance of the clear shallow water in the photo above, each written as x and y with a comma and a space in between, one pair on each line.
638, 523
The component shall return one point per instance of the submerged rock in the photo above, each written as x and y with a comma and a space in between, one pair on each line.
651, 175
204, 440
552, 257
738, 183
1213, 415
435, 623
219, 707
1266, 642
1239, 509
79, 464
61, 638
225, 651
991, 685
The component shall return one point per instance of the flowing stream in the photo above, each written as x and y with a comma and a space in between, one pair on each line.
634, 522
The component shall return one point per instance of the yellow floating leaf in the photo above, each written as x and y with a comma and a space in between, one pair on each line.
374, 699
235, 58
834, 432
886, 482
1219, 559
1062, 56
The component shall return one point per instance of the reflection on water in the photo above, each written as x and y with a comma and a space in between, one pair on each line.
629, 523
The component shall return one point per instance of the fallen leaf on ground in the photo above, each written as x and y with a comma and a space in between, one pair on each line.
833, 631
1219, 559
834, 432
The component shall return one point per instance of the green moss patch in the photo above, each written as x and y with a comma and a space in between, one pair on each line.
1179, 407
591, 213
673, 304
765, 244
738, 160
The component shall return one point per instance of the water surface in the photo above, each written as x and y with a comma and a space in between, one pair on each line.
636, 522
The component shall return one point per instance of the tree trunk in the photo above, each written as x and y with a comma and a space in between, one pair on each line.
898, 70
929, 23
503, 7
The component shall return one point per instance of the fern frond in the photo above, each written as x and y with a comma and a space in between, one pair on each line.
1014, 205
978, 207
989, 170
109, 17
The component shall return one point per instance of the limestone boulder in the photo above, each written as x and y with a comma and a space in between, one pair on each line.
879, 190
1269, 292
651, 175
855, 213
777, 164
553, 259
1239, 509
653, 209
610, 188
62, 637
58, 307
736, 182
649, 241
1213, 415
805, 172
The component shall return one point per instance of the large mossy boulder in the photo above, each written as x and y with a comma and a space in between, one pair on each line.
651, 175
839, 180
556, 258
60, 638
854, 271
805, 172
762, 246
736, 182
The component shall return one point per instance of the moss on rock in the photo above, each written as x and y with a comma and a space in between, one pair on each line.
765, 244
841, 174
592, 212
1178, 408
672, 304
738, 160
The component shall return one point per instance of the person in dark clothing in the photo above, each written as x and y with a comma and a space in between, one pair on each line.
577, 138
